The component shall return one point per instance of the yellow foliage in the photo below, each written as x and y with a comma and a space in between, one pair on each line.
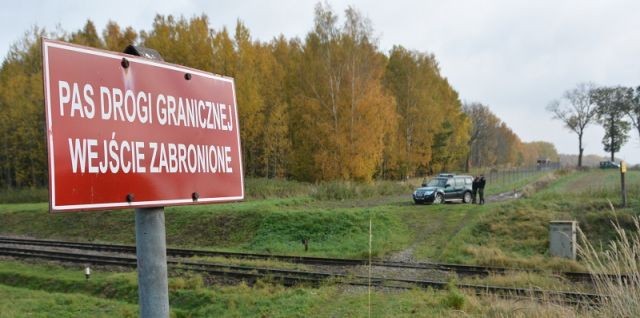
330, 106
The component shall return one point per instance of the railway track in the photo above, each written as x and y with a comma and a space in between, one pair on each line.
461, 270
293, 277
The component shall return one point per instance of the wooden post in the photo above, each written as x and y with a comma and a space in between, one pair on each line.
623, 189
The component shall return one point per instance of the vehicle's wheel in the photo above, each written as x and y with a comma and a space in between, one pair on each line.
466, 198
438, 199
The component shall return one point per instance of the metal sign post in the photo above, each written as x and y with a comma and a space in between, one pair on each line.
151, 251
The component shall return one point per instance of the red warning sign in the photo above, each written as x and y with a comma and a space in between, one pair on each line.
125, 131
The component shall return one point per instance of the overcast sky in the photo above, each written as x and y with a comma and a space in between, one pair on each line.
514, 56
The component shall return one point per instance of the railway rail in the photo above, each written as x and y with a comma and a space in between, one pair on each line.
292, 277
459, 269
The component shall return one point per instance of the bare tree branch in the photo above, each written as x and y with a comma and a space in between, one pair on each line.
576, 110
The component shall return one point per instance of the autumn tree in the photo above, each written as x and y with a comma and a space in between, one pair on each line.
430, 120
507, 145
493, 143
181, 41
330, 106
453, 137
116, 39
482, 137
412, 148
22, 126
279, 58
224, 53
612, 103
532, 151
407, 77
345, 109
247, 73
576, 110
88, 36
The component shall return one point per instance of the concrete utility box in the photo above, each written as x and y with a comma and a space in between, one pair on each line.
562, 239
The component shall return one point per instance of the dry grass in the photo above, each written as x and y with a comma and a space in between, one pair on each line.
620, 261
530, 280
490, 305
530, 189
526, 308
264, 263
494, 256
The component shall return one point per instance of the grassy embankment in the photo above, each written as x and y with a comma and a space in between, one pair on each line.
274, 219
335, 218
516, 233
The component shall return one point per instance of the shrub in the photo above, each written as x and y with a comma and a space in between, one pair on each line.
454, 298
263, 188
345, 190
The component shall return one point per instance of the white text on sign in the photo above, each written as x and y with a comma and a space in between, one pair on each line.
79, 100
113, 156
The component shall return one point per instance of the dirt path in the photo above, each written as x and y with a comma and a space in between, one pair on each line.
423, 230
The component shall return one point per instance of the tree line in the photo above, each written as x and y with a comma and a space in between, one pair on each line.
615, 108
493, 144
331, 106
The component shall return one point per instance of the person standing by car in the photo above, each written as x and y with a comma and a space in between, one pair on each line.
474, 189
481, 183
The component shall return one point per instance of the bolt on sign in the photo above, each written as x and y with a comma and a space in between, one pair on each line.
124, 131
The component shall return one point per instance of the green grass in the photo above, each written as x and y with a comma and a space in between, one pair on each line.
510, 233
25, 195
52, 291
507, 233
20, 302
516, 233
334, 233
270, 226
47, 283
56, 279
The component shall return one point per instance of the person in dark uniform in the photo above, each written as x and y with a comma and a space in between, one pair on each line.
481, 183
474, 189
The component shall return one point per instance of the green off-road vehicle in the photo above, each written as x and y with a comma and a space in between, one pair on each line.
444, 187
